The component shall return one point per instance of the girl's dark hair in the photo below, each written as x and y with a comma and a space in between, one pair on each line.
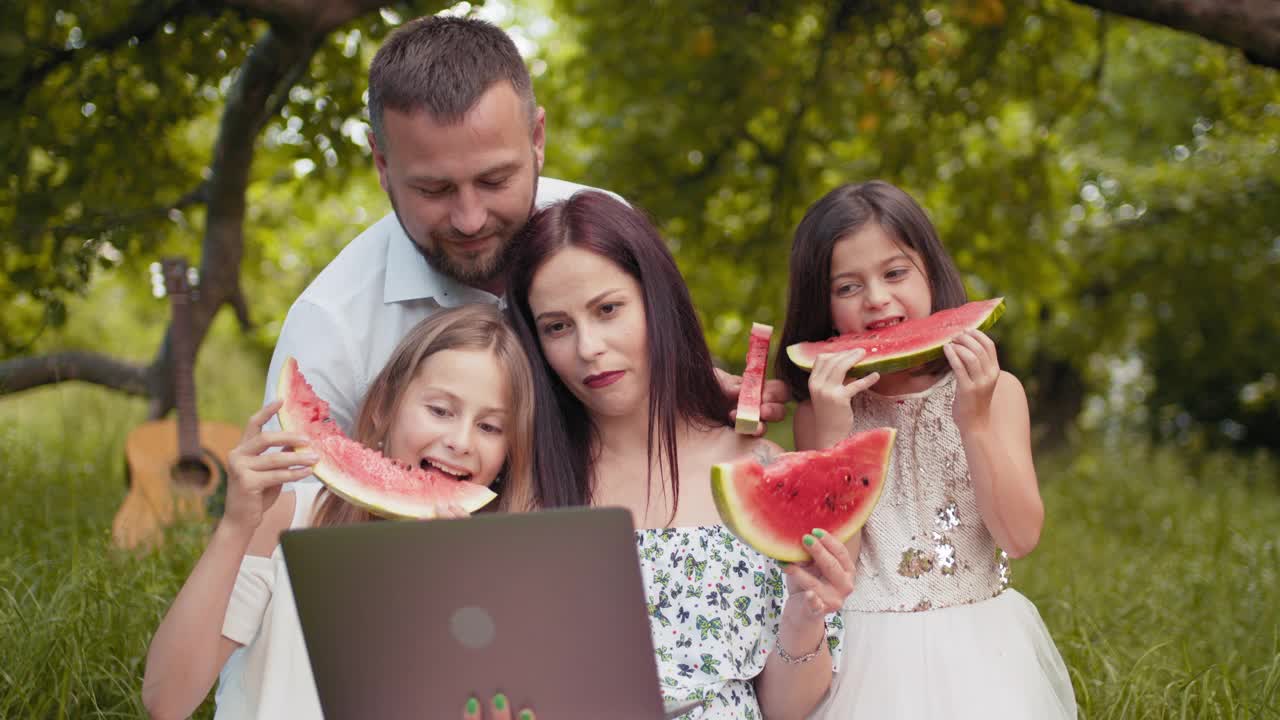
840, 213
682, 381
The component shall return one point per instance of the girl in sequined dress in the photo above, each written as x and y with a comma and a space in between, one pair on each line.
629, 414
931, 628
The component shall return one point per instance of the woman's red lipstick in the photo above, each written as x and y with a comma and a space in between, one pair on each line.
604, 379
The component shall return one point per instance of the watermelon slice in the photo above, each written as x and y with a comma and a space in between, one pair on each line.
771, 507
905, 345
748, 417
362, 476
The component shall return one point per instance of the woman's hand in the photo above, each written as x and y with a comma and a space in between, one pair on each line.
255, 475
831, 395
499, 709
972, 356
820, 586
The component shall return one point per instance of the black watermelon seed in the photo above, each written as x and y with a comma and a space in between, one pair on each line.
865, 481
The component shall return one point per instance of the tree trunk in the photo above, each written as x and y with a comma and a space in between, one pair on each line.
273, 65
1059, 392
1251, 25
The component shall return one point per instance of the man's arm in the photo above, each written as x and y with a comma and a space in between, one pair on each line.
323, 347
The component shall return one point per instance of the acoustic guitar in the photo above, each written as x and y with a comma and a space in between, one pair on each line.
175, 465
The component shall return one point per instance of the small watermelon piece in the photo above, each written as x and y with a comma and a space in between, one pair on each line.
906, 345
771, 507
748, 416
362, 476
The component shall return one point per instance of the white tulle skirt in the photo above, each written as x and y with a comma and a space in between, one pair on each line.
991, 659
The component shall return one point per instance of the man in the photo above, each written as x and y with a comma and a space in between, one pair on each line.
458, 140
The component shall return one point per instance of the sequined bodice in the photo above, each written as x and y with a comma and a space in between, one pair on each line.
925, 545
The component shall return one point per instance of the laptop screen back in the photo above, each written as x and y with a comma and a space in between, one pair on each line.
410, 619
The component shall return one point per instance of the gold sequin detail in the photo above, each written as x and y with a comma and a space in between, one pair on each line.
914, 563
922, 606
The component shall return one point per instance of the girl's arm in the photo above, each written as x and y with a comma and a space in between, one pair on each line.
826, 417
793, 689
991, 411
188, 649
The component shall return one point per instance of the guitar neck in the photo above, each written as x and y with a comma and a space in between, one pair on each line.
183, 377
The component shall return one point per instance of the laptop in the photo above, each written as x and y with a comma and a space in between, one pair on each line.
407, 619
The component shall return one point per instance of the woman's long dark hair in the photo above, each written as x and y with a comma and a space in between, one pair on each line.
682, 381
840, 213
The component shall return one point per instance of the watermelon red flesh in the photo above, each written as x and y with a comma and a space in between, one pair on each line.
748, 415
772, 507
362, 476
906, 345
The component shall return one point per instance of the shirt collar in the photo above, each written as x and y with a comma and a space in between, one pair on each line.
411, 277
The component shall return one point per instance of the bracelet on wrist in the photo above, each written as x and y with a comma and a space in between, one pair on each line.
788, 659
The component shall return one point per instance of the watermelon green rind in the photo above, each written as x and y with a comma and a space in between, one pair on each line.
776, 527
422, 494
804, 354
748, 416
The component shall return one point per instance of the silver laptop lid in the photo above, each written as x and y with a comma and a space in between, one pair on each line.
409, 619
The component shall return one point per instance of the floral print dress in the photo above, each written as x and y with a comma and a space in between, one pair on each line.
714, 607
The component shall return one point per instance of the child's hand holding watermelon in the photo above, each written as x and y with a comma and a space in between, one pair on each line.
830, 394
255, 476
972, 356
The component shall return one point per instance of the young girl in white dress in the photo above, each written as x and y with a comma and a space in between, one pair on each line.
932, 629
456, 393
630, 414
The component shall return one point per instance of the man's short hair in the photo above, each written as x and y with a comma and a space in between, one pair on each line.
442, 65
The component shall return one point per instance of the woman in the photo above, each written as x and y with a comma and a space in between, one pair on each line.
627, 406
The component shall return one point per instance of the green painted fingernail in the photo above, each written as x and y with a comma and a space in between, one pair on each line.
809, 540
473, 706
526, 715
819, 532
499, 702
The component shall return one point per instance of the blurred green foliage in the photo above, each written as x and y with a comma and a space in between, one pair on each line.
1117, 181
1120, 183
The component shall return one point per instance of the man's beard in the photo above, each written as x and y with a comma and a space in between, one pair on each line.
474, 270
477, 270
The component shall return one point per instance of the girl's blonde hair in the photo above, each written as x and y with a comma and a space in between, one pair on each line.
469, 327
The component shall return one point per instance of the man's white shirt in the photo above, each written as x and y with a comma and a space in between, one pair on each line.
344, 326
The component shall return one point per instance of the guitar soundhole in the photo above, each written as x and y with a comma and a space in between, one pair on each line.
190, 473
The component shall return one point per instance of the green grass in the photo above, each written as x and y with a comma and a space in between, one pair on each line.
1157, 572
76, 615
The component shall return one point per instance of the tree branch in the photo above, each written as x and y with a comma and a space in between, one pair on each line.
149, 19
1251, 25
319, 18
29, 372
274, 63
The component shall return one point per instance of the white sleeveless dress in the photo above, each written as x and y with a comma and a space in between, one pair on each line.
932, 629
